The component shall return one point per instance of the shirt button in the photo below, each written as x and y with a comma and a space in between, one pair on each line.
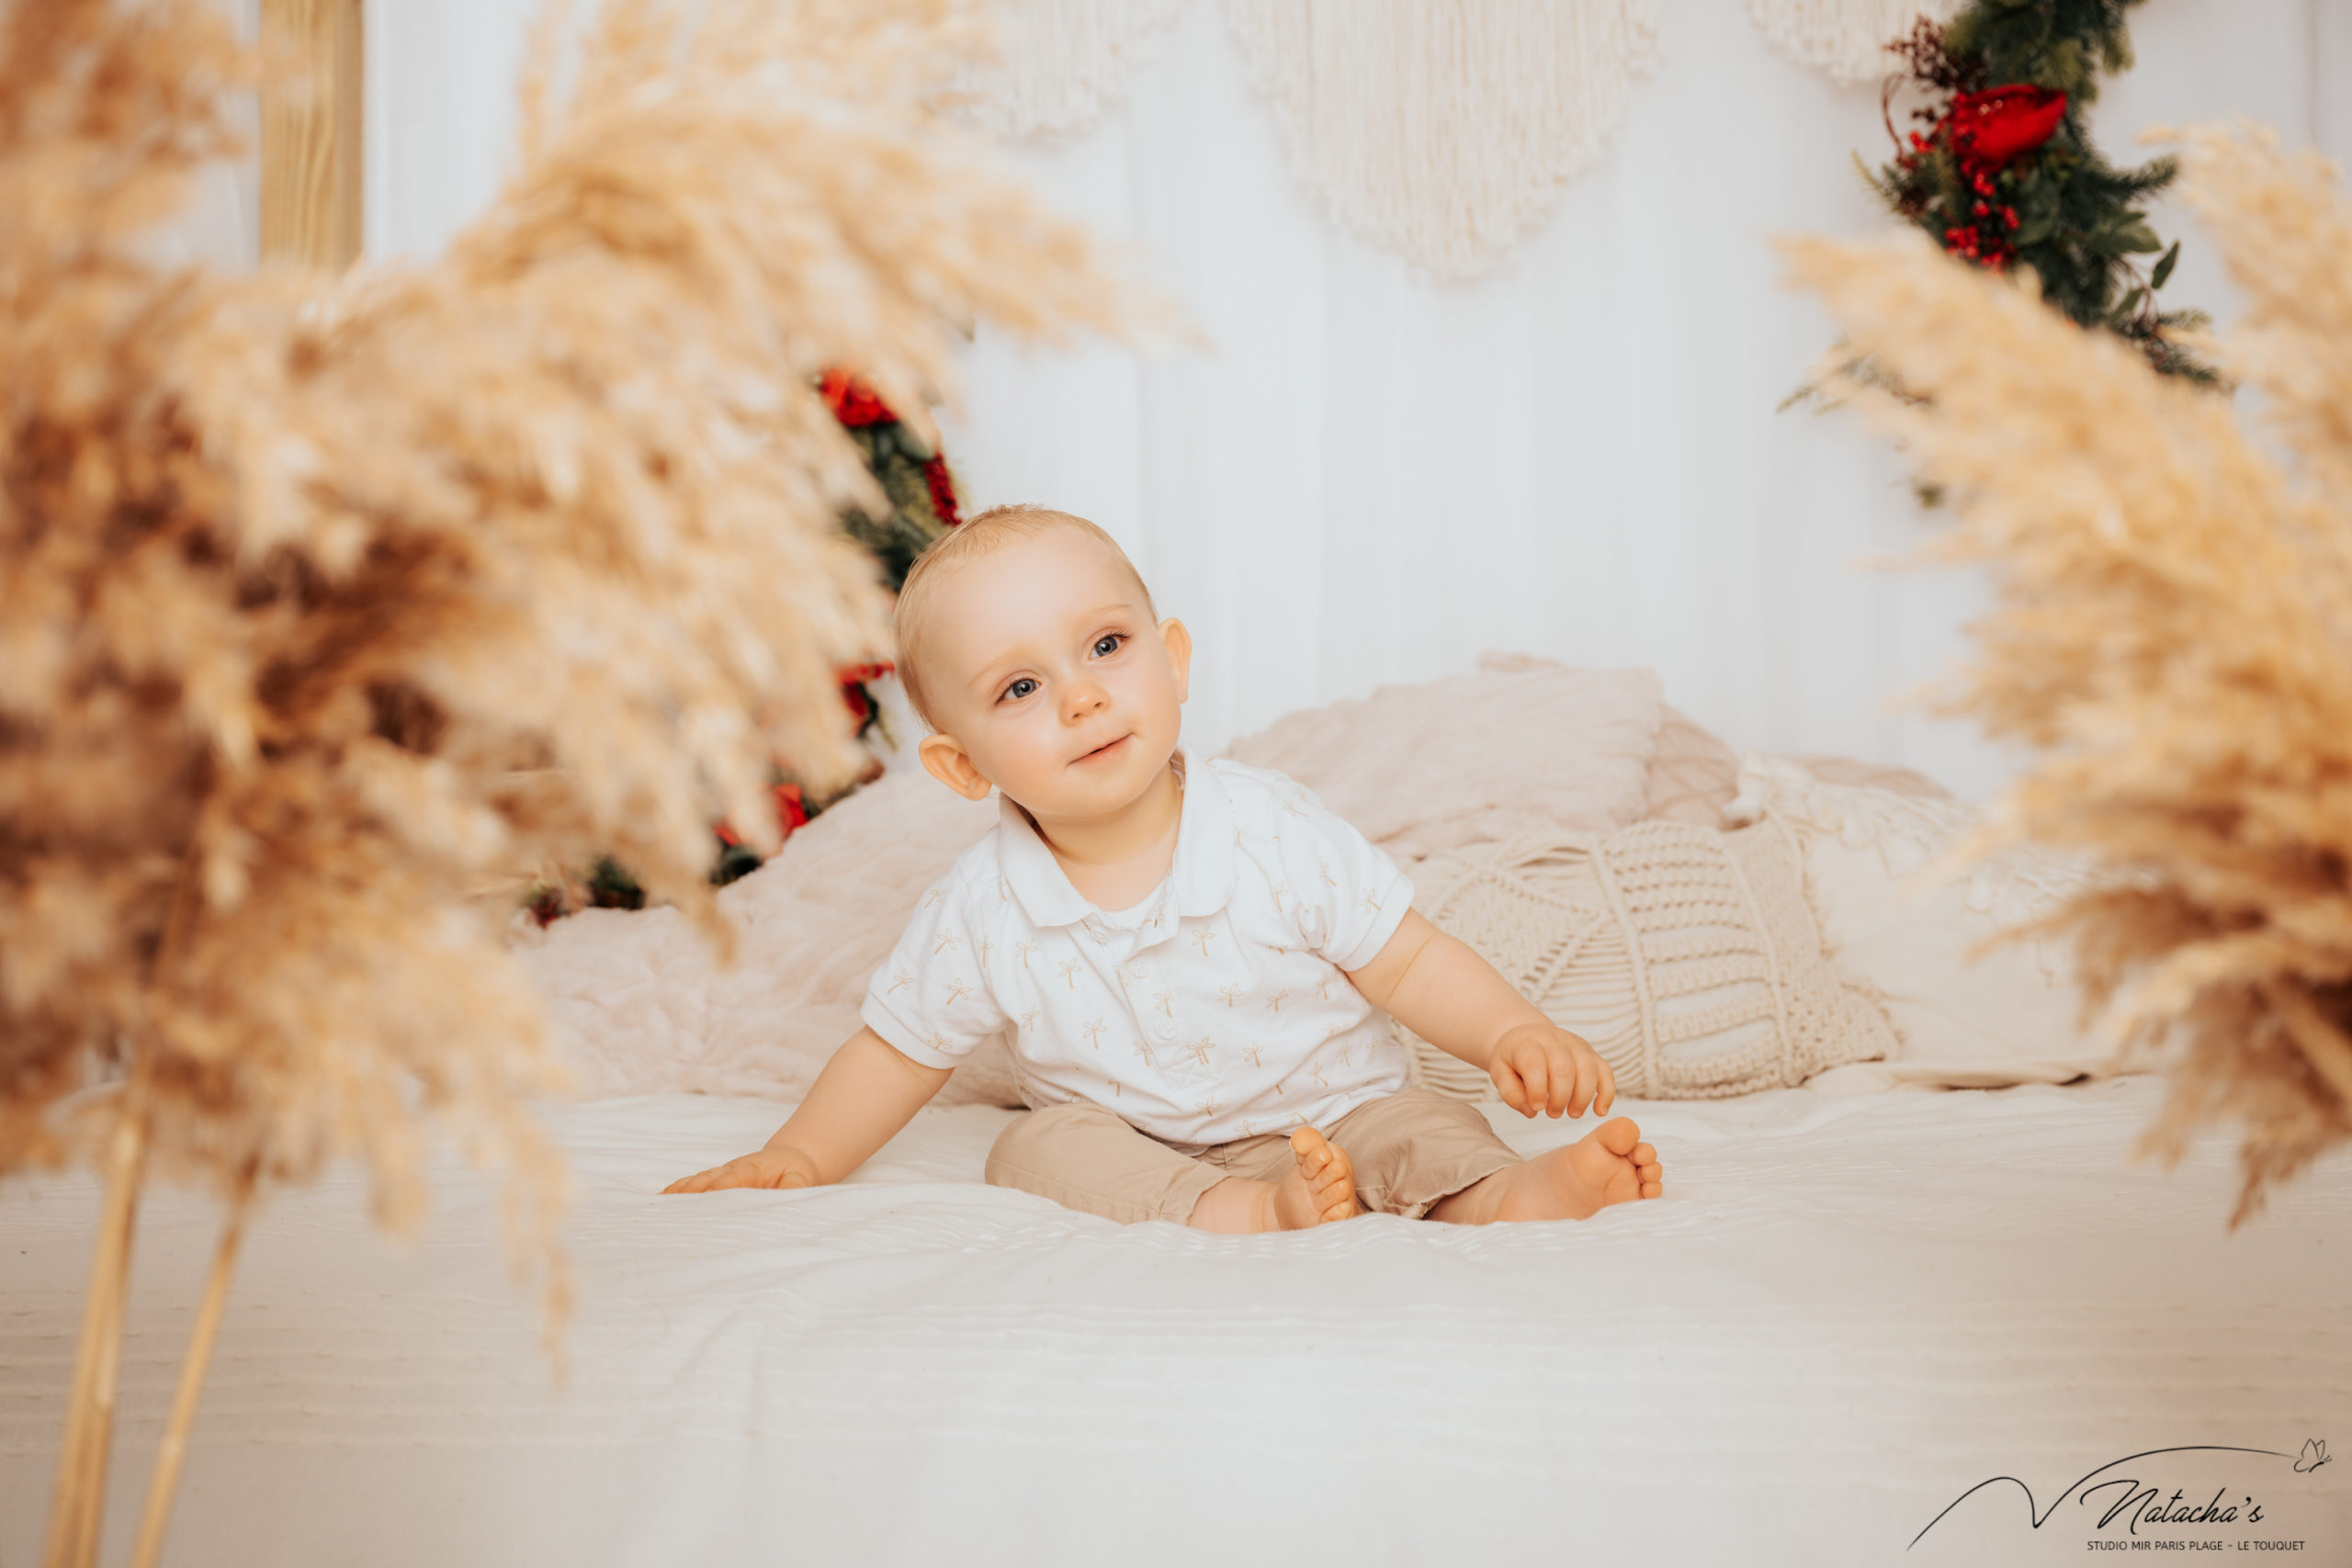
1137, 971
1165, 1030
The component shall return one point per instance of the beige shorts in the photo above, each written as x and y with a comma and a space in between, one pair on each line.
1409, 1150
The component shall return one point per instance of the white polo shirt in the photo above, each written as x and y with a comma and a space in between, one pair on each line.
1212, 1010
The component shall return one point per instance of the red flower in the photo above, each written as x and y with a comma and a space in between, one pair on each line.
943, 491
1995, 126
789, 811
852, 402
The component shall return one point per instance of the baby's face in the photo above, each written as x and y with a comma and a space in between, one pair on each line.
1043, 666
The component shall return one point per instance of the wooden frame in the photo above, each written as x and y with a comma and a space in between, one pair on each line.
310, 132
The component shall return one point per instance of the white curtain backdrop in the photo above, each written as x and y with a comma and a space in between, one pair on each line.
1370, 478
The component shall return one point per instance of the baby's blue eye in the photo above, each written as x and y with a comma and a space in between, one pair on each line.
1020, 688
1108, 644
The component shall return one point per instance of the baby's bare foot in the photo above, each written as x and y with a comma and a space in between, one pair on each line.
1321, 1185
1608, 1165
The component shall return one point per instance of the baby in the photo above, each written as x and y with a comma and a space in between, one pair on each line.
1187, 952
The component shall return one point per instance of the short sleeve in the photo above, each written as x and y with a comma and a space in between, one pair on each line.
1350, 895
930, 999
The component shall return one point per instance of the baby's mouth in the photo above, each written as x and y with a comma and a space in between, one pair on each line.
1106, 750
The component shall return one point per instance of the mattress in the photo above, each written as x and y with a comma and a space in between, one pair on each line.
1845, 1315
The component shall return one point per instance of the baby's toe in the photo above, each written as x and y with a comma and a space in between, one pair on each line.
1619, 1136
1335, 1189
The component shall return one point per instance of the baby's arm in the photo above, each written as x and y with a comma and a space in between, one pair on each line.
1437, 987
865, 1094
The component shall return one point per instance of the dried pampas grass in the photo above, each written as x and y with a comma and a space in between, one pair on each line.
2173, 630
330, 610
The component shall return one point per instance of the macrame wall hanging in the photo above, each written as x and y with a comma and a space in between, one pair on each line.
1442, 130
1439, 130
1846, 38
1061, 62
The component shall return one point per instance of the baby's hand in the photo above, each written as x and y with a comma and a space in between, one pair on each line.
767, 1168
1541, 1066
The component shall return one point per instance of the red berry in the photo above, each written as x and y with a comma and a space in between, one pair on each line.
1982, 210
2009, 216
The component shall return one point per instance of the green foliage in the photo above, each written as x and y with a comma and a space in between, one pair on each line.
2060, 44
2056, 206
900, 462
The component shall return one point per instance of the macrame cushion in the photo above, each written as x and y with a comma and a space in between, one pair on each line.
1686, 956
1900, 916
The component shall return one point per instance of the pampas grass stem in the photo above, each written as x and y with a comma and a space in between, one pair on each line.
174, 1450
89, 1427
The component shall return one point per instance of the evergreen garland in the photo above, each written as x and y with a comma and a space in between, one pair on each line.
2002, 171
915, 479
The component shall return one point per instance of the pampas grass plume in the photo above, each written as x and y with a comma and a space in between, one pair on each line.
2173, 629
332, 609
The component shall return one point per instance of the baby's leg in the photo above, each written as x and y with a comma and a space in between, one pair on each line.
1320, 1185
1084, 1157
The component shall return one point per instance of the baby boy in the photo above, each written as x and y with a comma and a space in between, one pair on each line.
1187, 952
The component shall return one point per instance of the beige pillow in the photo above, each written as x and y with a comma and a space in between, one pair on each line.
1693, 776
1686, 956
639, 1004
1521, 746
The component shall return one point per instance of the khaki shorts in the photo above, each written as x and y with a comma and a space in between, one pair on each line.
1409, 1150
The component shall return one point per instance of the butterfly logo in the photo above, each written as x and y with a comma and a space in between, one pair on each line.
2314, 1454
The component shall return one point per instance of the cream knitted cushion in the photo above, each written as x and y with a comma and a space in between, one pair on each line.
1686, 956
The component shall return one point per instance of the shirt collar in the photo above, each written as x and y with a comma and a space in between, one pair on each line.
1203, 875
1204, 871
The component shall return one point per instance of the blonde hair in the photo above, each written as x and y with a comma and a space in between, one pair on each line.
982, 535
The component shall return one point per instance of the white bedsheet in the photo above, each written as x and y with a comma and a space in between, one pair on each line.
1846, 1312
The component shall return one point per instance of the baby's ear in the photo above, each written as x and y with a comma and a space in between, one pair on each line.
1180, 652
945, 760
